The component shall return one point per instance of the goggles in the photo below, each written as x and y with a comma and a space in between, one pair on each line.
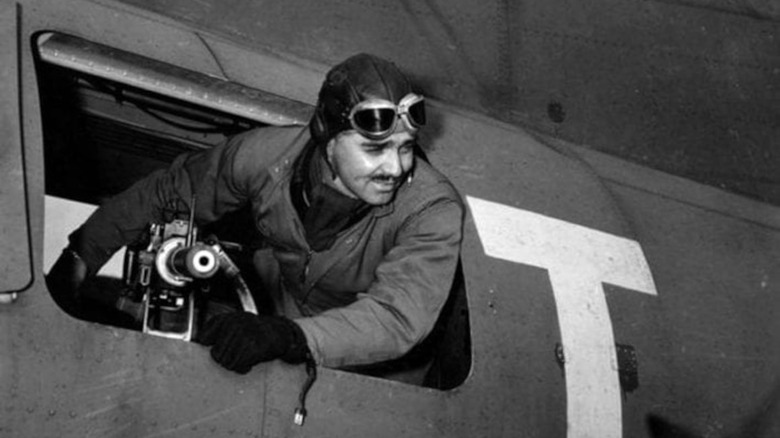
377, 118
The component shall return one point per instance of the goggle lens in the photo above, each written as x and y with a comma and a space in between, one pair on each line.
375, 120
417, 113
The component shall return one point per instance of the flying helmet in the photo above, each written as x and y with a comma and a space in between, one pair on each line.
368, 94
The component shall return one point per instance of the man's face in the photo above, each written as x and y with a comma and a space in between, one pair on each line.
371, 170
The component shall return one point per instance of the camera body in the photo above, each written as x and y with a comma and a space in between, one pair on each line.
168, 274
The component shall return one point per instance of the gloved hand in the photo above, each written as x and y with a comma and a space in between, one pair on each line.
84, 296
242, 340
64, 281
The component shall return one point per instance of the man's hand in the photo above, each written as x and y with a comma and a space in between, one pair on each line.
242, 340
64, 281
85, 296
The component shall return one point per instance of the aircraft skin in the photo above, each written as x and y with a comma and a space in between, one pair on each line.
684, 86
600, 293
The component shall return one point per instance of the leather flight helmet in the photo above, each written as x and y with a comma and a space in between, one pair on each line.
358, 78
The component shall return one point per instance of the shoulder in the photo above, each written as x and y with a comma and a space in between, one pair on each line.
429, 184
269, 144
428, 192
259, 154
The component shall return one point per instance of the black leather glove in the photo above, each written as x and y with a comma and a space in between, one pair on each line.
242, 340
84, 296
64, 281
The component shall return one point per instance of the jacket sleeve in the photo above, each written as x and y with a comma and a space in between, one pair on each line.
403, 303
217, 177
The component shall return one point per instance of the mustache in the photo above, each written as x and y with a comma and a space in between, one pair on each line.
387, 178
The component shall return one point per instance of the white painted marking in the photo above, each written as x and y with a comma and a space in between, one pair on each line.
62, 217
579, 260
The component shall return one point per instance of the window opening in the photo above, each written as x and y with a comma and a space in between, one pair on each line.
101, 135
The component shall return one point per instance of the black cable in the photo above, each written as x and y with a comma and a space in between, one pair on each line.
311, 376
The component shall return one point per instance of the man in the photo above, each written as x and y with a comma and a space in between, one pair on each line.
364, 237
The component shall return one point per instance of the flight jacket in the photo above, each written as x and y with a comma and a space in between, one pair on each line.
372, 296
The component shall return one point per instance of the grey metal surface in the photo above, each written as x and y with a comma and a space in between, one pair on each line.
170, 80
15, 258
688, 87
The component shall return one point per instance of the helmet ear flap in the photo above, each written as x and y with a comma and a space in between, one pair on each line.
318, 127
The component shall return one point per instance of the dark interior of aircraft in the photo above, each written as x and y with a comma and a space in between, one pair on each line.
123, 133
100, 136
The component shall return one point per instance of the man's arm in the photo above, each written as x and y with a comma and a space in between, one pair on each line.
402, 305
210, 175
160, 197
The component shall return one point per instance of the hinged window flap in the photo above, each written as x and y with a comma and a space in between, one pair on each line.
170, 80
15, 260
